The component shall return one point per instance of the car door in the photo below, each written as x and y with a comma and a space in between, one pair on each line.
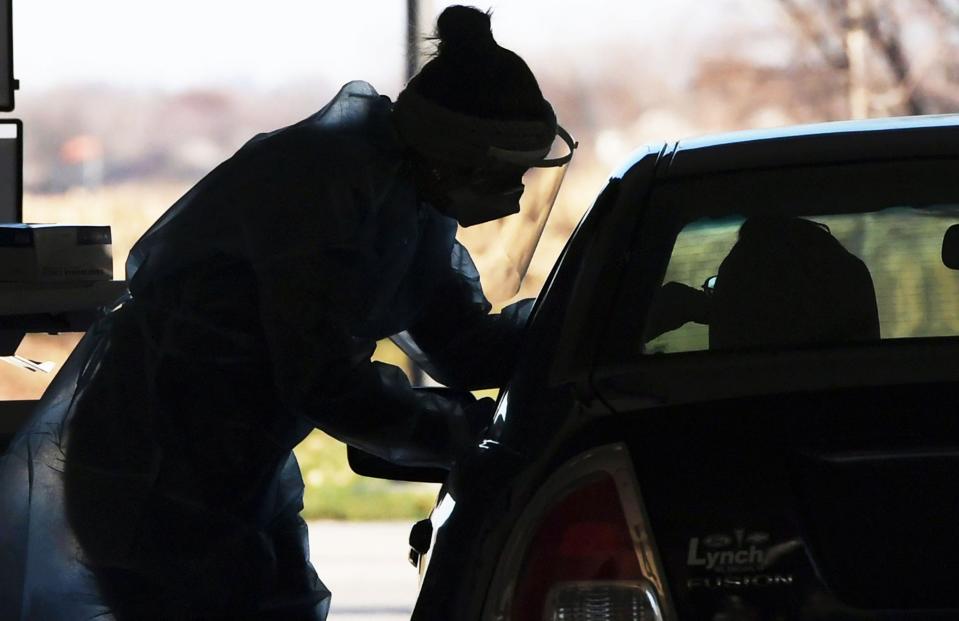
797, 479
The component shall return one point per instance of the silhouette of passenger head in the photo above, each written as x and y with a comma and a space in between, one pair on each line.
788, 281
473, 118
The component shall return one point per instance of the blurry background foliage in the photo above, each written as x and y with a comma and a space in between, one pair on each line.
125, 110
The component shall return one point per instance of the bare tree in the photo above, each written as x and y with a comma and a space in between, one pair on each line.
946, 9
819, 22
850, 35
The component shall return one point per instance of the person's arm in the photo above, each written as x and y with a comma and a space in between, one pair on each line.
307, 270
673, 306
457, 340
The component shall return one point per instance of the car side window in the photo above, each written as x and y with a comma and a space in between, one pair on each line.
778, 281
782, 259
775, 281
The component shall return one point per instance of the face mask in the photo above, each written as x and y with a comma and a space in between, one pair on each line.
470, 205
494, 191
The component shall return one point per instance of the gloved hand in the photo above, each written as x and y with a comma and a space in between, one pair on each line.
467, 424
479, 415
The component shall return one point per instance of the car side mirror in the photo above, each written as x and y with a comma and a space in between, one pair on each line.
950, 247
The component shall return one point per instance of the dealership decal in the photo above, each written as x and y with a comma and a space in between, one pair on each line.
739, 582
738, 559
736, 552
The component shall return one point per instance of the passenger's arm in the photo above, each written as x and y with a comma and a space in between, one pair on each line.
673, 306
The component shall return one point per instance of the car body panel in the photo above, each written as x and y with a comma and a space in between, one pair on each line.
550, 385
846, 141
784, 505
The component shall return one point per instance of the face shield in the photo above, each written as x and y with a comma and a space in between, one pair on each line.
502, 229
498, 179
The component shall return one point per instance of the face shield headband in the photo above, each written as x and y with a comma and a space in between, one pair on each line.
472, 142
486, 147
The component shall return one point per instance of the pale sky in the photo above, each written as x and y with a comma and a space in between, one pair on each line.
176, 44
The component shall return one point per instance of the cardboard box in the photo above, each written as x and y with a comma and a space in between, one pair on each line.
48, 253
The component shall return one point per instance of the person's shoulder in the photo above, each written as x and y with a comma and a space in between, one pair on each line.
357, 114
356, 117
350, 142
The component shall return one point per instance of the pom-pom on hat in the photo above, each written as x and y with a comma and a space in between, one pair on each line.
463, 29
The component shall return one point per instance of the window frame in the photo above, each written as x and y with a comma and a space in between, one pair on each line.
855, 187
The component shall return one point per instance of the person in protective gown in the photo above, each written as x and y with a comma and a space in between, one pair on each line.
156, 480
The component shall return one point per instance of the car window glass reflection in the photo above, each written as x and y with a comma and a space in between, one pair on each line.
777, 281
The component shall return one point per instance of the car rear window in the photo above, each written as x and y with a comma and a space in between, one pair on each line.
785, 281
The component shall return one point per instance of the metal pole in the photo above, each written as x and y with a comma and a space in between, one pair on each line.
412, 38
418, 14
412, 66
419, 17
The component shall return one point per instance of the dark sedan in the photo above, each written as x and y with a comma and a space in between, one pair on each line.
737, 397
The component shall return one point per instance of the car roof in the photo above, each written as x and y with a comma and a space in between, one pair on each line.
823, 143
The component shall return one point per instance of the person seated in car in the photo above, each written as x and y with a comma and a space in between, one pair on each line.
786, 282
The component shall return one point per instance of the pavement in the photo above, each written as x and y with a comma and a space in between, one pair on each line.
365, 565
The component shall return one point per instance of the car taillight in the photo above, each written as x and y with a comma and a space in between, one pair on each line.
602, 601
581, 564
